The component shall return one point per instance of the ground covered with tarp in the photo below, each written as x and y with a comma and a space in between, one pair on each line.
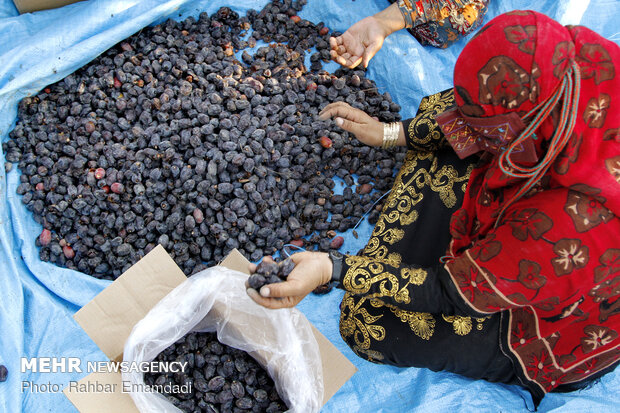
38, 299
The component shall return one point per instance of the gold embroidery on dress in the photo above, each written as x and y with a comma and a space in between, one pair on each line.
365, 272
434, 99
400, 206
430, 107
422, 324
393, 235
359, 322
404, 196
368, 271
417, 276
462, 325
371, 355
441, 181
433, 135
479, 320
380, 252
402, 201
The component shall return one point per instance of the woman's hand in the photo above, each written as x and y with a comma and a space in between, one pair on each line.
366, 129
364, 39
312, 269
359, 43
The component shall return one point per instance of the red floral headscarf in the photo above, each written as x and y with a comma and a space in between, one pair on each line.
538, 233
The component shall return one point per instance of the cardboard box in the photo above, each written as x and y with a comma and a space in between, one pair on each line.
110, 317
28, 6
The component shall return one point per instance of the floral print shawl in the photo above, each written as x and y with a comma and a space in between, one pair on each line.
551, 259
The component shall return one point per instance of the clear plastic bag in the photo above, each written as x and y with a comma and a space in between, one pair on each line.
215, 300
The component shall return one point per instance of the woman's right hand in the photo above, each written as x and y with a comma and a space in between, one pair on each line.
312, 269
366, 129
364, 39
359, 43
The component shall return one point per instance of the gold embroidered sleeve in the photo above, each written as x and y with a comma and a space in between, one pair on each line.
406, 287
422, 132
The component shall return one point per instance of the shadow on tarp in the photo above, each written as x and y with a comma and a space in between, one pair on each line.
38, 299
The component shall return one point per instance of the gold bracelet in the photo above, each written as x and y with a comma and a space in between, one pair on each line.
390, 134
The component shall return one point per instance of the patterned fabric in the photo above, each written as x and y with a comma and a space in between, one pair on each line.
422, 132
552, 257
440, 23
468, 135
385, 334
401, 307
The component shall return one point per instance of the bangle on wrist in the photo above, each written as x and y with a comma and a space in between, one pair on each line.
390, 134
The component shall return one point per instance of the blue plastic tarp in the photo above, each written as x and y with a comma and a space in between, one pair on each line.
38, 299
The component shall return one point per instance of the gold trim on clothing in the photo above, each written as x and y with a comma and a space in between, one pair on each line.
364, 272
359, 323
377, 280
401, 204
423, 132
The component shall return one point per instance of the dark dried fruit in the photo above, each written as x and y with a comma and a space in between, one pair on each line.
117, 188
45, 238
336, 242
285, 268
325, 142
323, 289
4, 373
68, 251
167, 138
198, 216
270, 273
256, 281
99, 173
216, 383
364, 189
246, 385
89, 127
298, 243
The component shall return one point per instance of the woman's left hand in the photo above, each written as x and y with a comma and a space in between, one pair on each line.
312, 269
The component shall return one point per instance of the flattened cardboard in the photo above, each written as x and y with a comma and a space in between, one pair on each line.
337, 369
28, 6
100, 402
109, 318
236, 261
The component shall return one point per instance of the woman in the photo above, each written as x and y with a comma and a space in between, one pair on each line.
437, 23
528, 291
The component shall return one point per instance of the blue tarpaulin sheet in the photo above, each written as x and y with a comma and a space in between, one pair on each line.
38, 299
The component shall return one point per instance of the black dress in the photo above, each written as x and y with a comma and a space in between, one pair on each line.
400, 306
